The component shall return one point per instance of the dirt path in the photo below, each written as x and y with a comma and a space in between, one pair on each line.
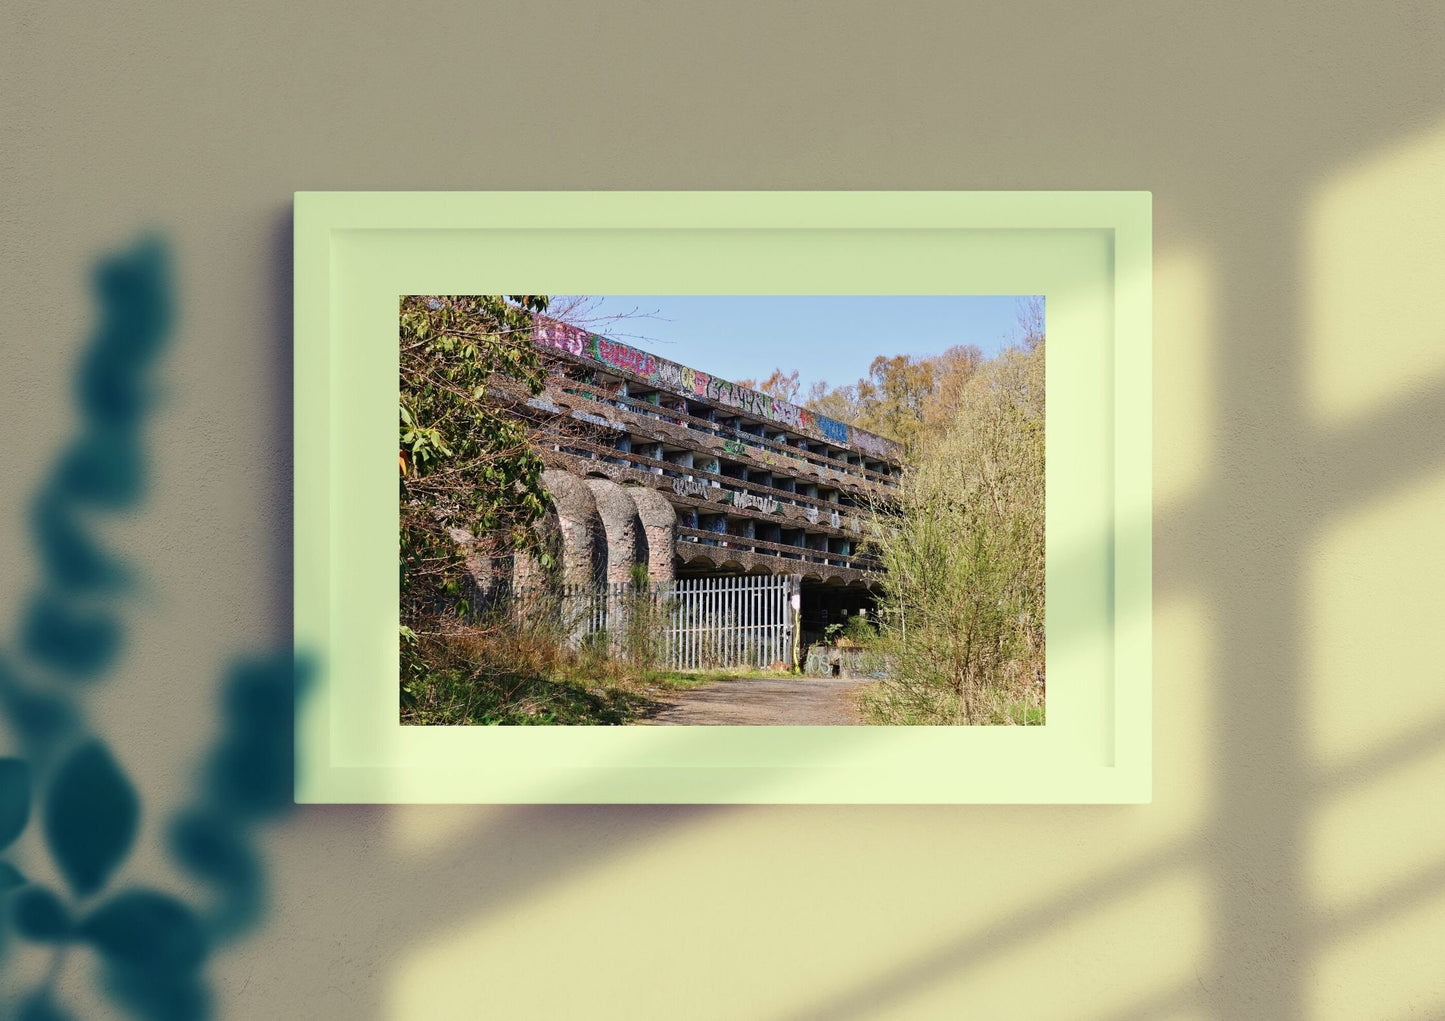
761, 702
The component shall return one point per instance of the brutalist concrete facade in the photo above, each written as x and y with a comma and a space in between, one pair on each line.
693, 475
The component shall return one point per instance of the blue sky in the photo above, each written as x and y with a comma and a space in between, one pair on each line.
823, 337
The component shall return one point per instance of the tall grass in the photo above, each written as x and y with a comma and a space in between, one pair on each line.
530, 661
962, 548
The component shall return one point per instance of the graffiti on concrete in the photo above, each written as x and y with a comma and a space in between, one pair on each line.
833, 429
680, 378
626, 357
560, 335
743, 501
689, 487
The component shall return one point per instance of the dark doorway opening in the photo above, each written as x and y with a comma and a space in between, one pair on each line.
824, 604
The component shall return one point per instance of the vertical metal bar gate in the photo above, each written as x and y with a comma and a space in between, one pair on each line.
702, 623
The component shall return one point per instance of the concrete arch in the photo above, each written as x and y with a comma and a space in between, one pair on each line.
621, 527
580, 524
659, 531
698, 555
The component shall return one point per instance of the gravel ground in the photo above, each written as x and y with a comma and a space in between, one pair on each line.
762, 702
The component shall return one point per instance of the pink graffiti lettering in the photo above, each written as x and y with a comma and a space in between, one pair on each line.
623, 356
660, 371
560, 335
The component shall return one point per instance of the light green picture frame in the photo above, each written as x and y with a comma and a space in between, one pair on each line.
1088, 253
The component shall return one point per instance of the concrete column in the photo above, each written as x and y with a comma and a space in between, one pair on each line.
621, 527
659, 531
583, 539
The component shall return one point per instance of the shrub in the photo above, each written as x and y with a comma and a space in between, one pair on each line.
962, 548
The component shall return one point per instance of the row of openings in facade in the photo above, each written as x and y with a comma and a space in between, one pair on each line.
626, 397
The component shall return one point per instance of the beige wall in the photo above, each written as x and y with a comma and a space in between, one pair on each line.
1293, 863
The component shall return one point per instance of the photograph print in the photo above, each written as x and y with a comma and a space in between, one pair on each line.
722, 510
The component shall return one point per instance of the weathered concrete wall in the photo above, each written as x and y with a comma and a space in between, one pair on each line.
598, 530
684, 380
659, 531
528, 574
489, 576
581, 526
621, 528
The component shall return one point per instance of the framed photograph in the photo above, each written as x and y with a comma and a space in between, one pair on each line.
723, 497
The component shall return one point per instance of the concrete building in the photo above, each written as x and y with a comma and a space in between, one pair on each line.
693, 475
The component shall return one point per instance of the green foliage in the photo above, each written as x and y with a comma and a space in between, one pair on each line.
644, 616
782, 385
911, 398
468, 470
839, 402
519, 669
902, 397
859, 629
892, 397
962, 548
